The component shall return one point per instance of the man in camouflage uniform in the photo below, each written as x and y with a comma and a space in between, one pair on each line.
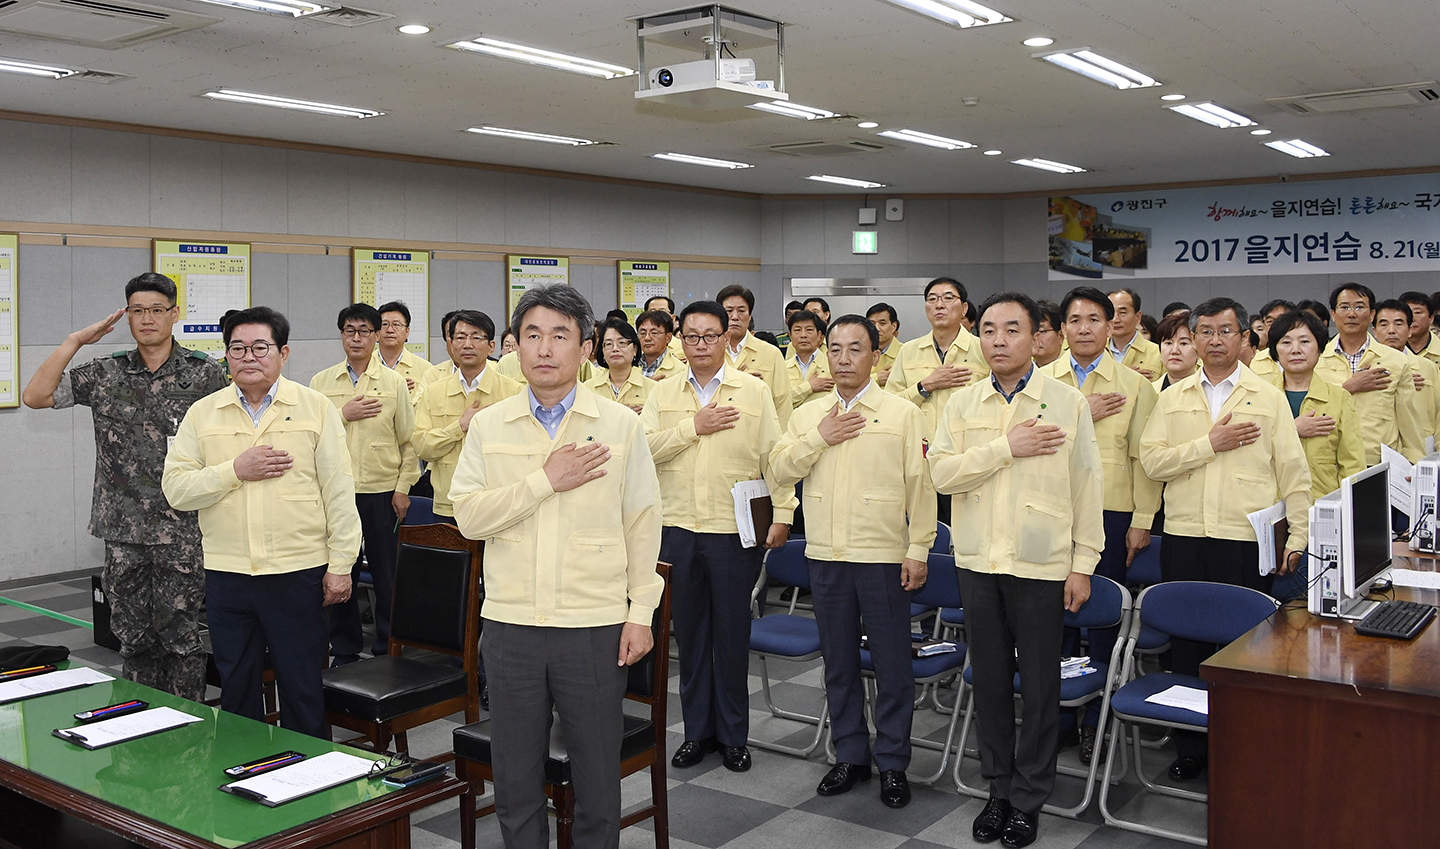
154, 571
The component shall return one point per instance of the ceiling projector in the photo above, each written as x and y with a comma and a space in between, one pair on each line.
702, 73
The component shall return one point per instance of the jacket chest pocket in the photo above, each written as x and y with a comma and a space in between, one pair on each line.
970, 518
1044, 528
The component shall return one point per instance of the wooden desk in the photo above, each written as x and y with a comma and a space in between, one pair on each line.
162, 791
1322, 737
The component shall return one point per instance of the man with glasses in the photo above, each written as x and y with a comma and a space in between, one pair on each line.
1378, 378
153, 567
1224, 443
447, 405
266, 465
1049, 340
745, 352
394, 333
656, 329
379, 420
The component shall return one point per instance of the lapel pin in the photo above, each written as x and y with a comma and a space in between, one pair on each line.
589, 439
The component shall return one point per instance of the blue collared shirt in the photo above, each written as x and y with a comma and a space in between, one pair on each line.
1019, 387
256, 413
355, 375
550, 418
1082, 372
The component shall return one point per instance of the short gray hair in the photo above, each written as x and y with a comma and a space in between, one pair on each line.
1214, 307
560, 298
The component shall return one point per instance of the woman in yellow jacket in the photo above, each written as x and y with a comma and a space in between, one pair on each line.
622, 382
1324, 413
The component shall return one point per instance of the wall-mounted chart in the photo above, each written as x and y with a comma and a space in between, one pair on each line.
211, 278
641, 281
381, 276
523, 272
9, 326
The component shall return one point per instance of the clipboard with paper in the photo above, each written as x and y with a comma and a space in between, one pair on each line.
754, 512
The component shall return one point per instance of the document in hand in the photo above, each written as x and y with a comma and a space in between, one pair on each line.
302, 779
1402, 478
129, 727
50, 682
1271, 529
753, 511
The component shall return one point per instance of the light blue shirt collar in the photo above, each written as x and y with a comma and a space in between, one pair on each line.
1082, 372
256, 413
551, 418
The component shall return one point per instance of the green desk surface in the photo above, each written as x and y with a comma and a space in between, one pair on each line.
172, 777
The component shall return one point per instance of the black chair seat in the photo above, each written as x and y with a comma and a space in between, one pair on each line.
473, 742
382, 688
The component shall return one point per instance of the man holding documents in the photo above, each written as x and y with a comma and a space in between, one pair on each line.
860, 451
708, 432
1225, 444
559, 483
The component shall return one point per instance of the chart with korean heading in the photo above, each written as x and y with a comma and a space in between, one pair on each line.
523, 272
641, 281
379, 277
9, 326
211, 278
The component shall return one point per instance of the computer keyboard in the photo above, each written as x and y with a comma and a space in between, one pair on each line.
1399, 620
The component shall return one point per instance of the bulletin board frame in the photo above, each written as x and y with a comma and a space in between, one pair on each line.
524, 271
637, 281
9, 320
366, 266
210, 278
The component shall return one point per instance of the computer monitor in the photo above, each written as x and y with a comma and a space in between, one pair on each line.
1350, 535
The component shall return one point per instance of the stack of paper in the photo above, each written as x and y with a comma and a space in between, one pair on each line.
744, 492
1402, 479
1271, 528
302, 779
1186, 698
122, 728
1074, 667
50, 682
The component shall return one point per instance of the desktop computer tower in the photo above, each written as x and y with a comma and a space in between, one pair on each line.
1426, 482
1326, 524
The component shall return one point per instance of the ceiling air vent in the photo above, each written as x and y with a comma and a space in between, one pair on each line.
347, 16
95, 24
1356, 99
826, 147
103, 77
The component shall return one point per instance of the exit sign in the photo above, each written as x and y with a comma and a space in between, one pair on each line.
865, 242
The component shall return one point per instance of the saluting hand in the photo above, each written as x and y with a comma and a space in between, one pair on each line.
1367, 380
360, 407
713, 419
1103, 405
95, 332
946, 377
1032, 439
821, 382
838, 427
1225, 436
569, 467
469, 414
261, 463
1311, 424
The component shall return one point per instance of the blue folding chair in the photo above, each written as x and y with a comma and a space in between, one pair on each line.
1144, 570
786, 636
1107, 607
1189, 610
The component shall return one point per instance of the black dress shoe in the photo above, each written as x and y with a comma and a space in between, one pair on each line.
1069, 739
894, 788
692, 752
841, 778
485, 697
1020, 829
1087, 744
1187, 769
735, 758
991, 822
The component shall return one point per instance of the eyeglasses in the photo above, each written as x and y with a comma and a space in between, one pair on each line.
650, 334
354, 332
1352, 308
696, 339
613, 345
462, 338
387, 765
947, 298
1211, 333
393, 325
237, 351
141, 312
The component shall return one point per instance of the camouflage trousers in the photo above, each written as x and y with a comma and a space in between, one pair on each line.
156, 592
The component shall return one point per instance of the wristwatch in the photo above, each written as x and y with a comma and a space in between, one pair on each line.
924, 393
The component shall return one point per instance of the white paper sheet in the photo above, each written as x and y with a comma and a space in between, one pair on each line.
50, 682
302, 779
744, 519
1402, 476
1415, 578
1187, 698
128, 727
1263, 521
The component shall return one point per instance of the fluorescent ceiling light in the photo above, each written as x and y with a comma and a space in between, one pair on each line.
1261, 132
1297, 148
1047, 165
525, 135
792, 110
1172, 97
1087, 62
701, 160
288, 103
413, 29
867, 125
1215, 116
926, 139
293, 8
536, 56
993, 152
846, 181
960, 13
1038, 42
15, 66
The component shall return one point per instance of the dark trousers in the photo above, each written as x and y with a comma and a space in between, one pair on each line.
382, 541
1223, 561
1102, 640
284, 613
844, 594
710, 582
942, 508
1005, 615
538, 674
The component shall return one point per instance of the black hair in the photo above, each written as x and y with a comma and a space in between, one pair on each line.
661, 319
1171, 324
1253, 338
395, 306
563, 299
1149, 325
1397, 305
1215, 306
1026, 303
1420, 298
1134, 296
972, 314
863, 321
1358, 288
474, 318
279, 325
624, 329
806, 315
767, 336
1319, 309
617, 314
1272, 305
359, 312
151, 281
736, 290
1051, 312
824, 305
669, 303
1087, 293
886, 308
445, 323
705, 308
948, 281
507, 332
794, 305
1173, 306
1291, 320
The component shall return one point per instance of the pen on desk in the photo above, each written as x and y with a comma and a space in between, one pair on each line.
29, 670
273, 762
105, 711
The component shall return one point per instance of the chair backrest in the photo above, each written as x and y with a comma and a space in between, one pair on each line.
942, 539
942, 583
1108, 606
437, 591
649, 676
1203, 611
421, 512
1145, 568
786, 564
